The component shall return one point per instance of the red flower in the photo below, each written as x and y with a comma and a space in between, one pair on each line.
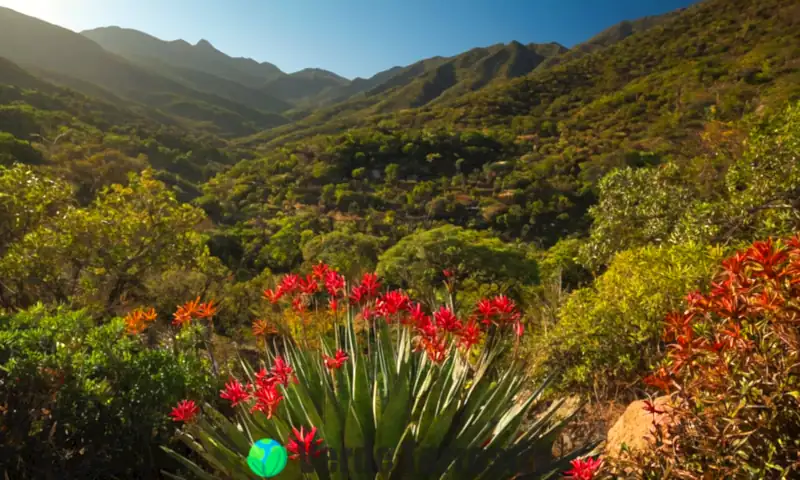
273, 296
519, 328
470, 335
234, 392
392, 303
333, 305
370, 285
320, 271
303, 444
503, 304
447, 320
308, 286
336, 362
436, 348
282, 372
334, 282
368, 314
185, 411
486, 310
267, 399
290, 283
584, 469
357, 295
426, 327
447, 273
264, 378
299, 305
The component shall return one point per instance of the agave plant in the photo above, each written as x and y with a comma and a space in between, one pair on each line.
400, 399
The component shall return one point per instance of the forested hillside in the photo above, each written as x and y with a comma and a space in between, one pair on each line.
517, 220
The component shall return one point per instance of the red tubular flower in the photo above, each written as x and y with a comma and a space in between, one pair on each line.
290, 283
185, 411
234, 392
308, 286
486, 310
282, 372
584, 469
503, 305
333, 305
334, 282
436, 348
370, 285
447, 320
320, 271
357, 295
470, 335
392, 303
267, 399
425, 327
368, 314
303, 444
448, 273
264, 378
273, 295
299, 305
336, 362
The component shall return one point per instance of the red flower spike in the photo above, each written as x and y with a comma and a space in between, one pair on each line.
303, 445
334, 283
584, 469
234, 392
447, 320
308, 286
336, 362
267, 399
282, 372
470, 335
486, 311
185, 411
370, 285
392, 303
503, 304
273, 295
320, 271
357, 295
290, 283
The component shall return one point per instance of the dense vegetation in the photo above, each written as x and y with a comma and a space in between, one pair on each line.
592, 189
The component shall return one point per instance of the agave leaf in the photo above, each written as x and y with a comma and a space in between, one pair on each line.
356, 447
394, 418
193, 467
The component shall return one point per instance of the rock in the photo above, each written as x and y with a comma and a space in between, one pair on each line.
634, 429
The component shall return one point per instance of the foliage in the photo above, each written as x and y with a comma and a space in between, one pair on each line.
99, 256
374, 407
756, 195
418, 260
86, 401
609, 332
732, 367
352, 254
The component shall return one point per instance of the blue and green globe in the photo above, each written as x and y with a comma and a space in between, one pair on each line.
267, 458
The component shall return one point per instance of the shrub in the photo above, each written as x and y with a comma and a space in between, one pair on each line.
82, 401
607, 334
394, 395
733, 370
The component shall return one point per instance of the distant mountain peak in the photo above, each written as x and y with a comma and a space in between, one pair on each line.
203, 43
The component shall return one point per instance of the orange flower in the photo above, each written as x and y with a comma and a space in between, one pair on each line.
186, 312
136, 321
207, 310
262, 328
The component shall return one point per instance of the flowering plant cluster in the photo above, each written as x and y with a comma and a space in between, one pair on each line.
373, 405
433, 331
732, 369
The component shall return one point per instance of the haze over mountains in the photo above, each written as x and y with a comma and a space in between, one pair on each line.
202, 87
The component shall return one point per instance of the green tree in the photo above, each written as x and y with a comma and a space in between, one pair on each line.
350, 253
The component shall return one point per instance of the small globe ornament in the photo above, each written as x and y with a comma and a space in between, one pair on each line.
267, 458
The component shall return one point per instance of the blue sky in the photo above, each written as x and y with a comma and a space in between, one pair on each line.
350, 37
